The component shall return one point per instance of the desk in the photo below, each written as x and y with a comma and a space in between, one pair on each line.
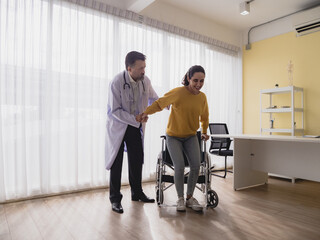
256, 155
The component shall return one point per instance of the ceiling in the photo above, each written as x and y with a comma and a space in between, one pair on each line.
227, 12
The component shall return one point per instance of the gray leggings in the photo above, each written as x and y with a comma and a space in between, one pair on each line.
190, 146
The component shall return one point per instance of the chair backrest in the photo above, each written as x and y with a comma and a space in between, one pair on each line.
167, 157
219, 143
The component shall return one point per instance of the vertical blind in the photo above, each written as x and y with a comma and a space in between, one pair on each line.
56, 61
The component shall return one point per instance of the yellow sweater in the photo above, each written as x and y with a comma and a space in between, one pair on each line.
187, 110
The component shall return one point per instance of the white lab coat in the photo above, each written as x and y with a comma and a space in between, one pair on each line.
118, 115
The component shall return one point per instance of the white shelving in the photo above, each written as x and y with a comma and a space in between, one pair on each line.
292, 91
278, 110
292, 109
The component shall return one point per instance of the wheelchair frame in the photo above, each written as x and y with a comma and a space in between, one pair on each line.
204, 178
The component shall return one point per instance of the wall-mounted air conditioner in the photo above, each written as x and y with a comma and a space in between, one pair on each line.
307, 21
308, 27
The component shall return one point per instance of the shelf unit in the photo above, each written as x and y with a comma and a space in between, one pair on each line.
292, 90
292, 109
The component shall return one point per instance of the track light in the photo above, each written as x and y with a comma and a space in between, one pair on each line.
245, 8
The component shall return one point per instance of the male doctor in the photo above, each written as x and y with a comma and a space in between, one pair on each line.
130, 93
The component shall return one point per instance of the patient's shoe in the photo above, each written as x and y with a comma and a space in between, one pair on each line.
181, 207
194, 204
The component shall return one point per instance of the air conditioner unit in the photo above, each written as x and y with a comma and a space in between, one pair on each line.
308, 27
307, 21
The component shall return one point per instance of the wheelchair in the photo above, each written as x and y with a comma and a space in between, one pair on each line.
165, 178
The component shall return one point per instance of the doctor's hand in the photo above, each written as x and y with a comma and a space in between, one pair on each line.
142, 118
138, 118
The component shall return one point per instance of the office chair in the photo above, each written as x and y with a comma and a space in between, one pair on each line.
220, 146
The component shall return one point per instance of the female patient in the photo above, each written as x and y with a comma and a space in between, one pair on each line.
189, 106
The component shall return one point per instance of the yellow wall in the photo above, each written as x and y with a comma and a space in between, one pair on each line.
266, 64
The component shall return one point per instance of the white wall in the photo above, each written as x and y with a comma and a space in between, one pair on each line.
169, 14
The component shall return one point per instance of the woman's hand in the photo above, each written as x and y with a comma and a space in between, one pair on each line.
204, 136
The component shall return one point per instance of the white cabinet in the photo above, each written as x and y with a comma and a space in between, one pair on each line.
294, 108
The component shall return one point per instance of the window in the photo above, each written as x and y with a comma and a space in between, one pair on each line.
56, 61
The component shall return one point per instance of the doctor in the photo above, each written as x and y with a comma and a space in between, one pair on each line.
130, 93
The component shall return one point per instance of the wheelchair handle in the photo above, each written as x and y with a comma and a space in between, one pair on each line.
203, 145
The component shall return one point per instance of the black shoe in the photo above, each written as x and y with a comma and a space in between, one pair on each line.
142, 198
117, 207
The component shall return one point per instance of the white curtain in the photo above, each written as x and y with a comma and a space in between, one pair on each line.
56, 61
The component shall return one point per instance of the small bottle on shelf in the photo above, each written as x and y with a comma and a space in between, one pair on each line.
271, 123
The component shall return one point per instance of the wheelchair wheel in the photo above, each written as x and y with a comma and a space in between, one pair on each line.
159, 190
212, 199
159, 196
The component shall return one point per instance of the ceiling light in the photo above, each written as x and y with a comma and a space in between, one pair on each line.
245, 8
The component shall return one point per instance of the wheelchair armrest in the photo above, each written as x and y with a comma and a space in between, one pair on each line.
163, 136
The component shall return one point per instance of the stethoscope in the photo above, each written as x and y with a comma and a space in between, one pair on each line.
126, 84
